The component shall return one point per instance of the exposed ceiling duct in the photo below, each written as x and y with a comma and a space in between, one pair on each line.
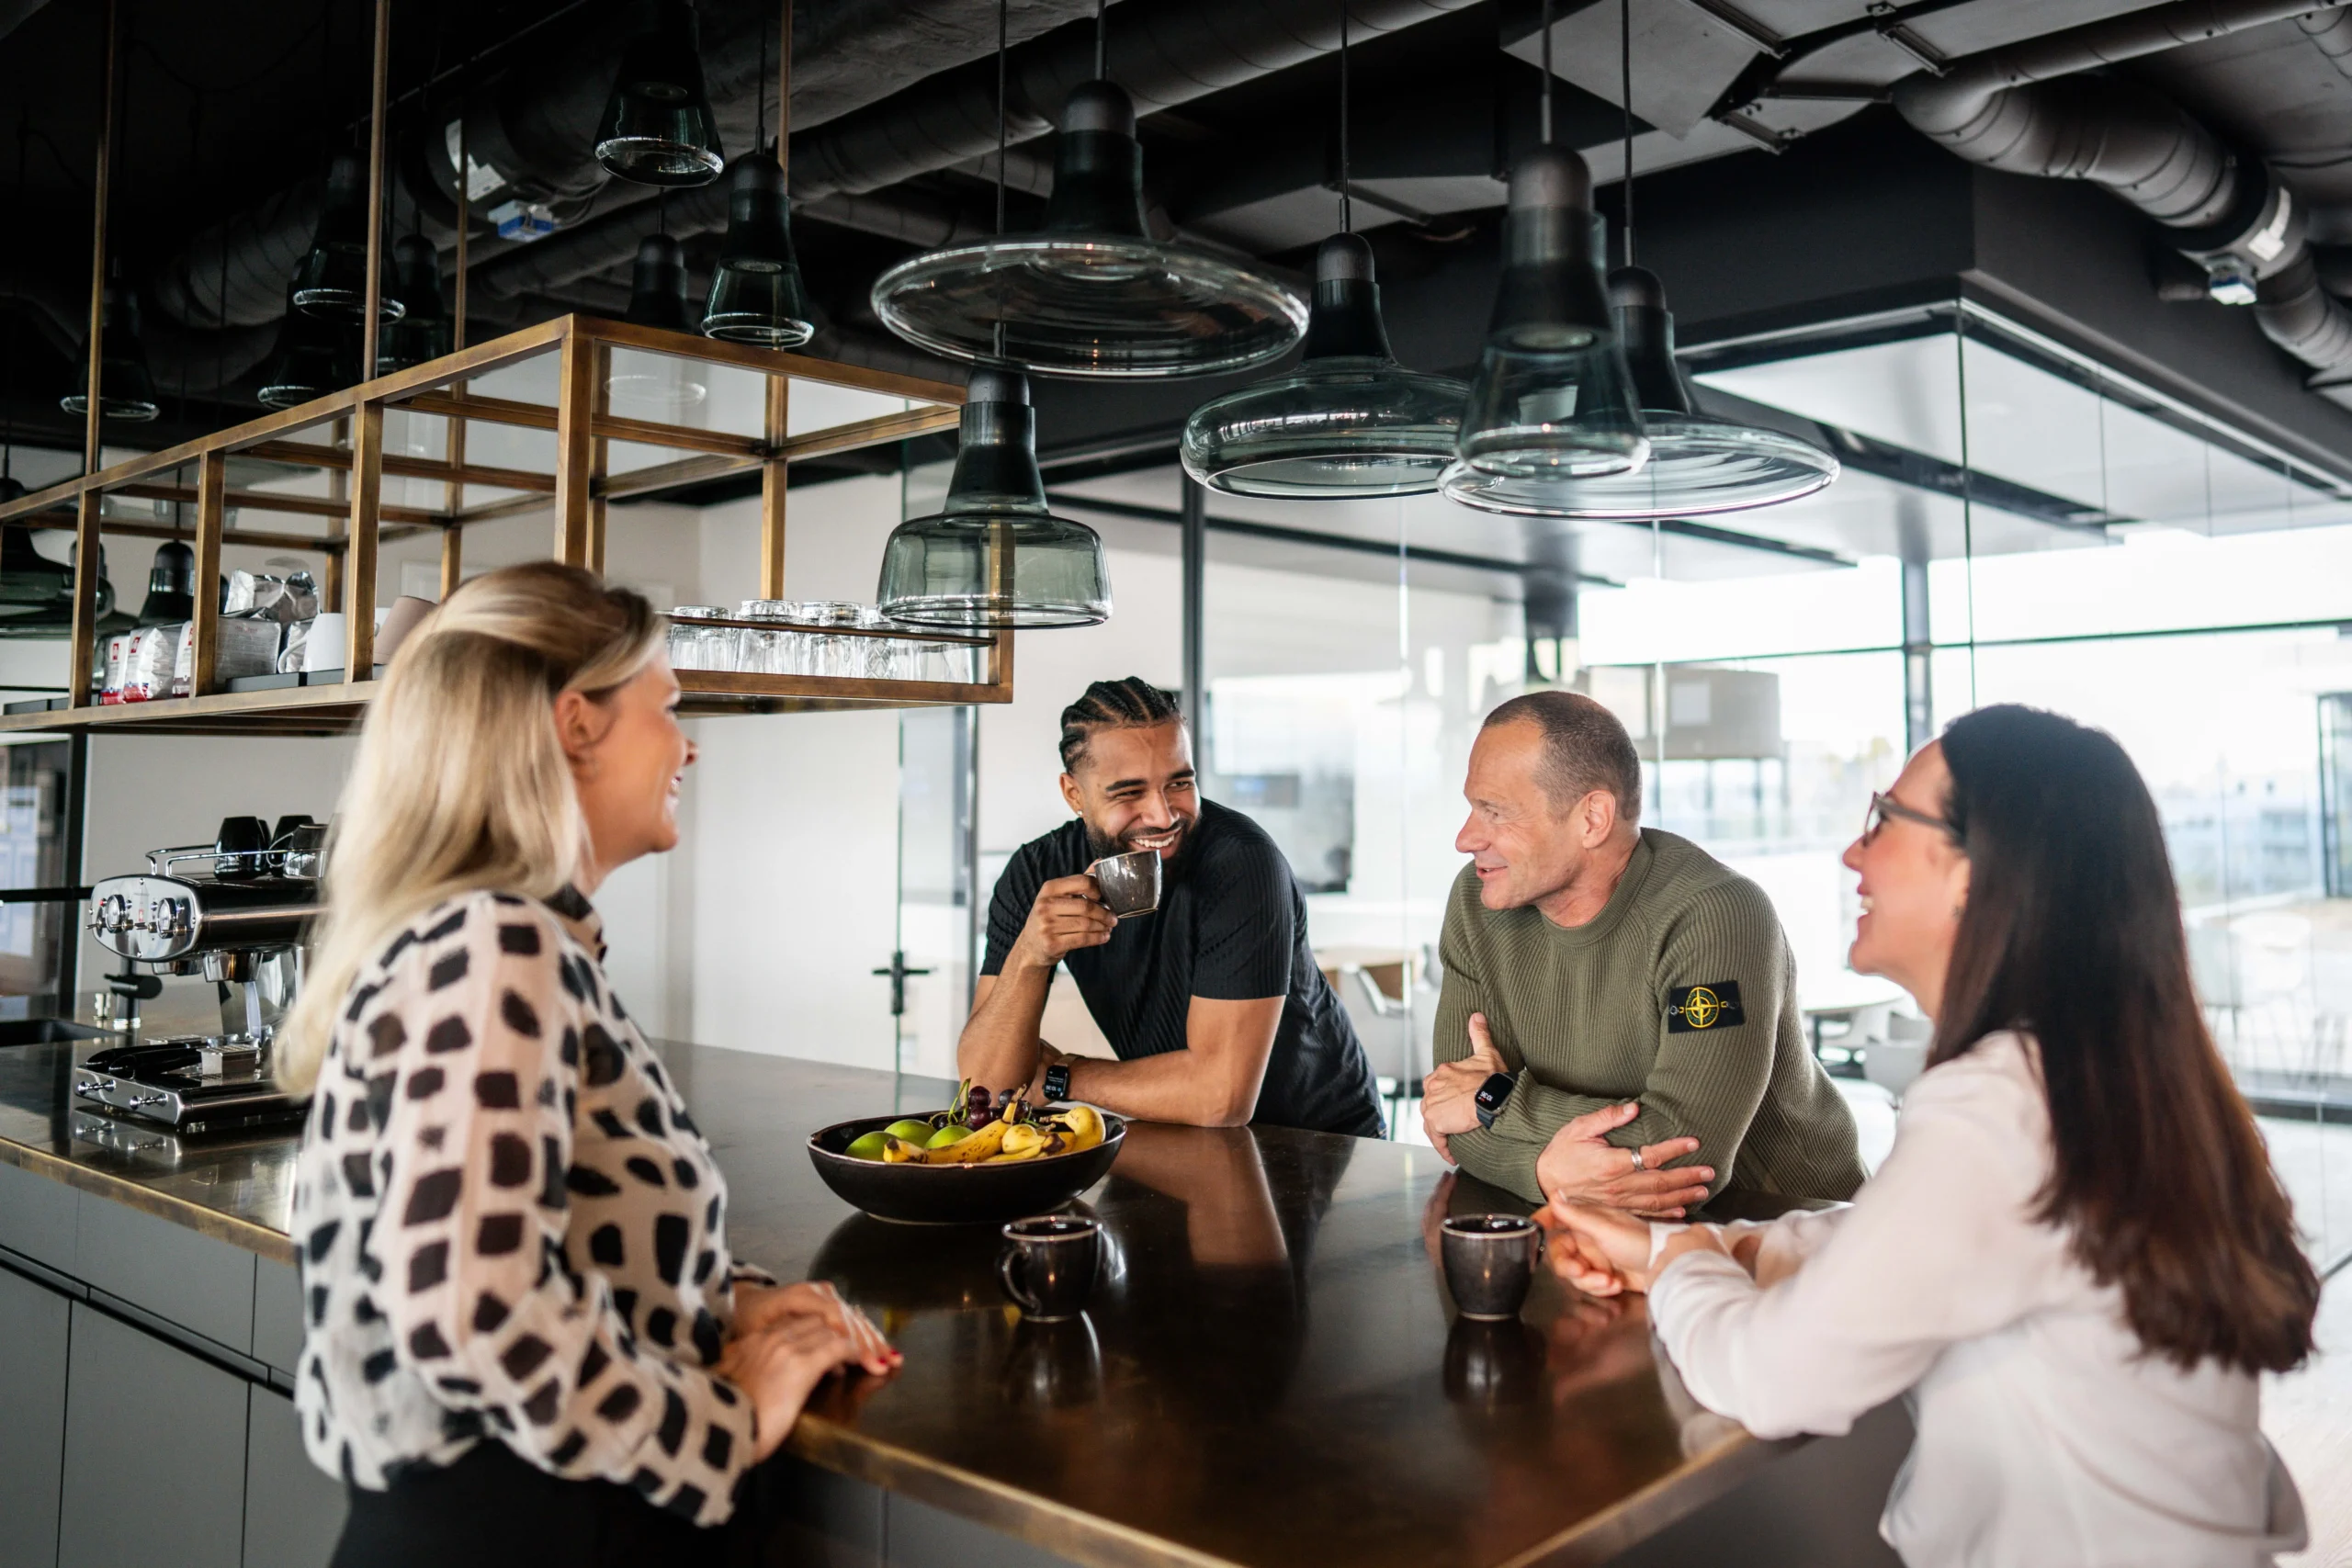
2027, 109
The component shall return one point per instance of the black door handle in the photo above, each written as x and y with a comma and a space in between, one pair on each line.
898, 973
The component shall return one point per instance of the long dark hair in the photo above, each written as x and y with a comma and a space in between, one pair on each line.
2073, 933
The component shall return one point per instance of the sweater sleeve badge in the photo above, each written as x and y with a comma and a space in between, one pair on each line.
1696, 1009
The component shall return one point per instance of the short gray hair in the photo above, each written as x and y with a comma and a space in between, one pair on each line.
1585, 749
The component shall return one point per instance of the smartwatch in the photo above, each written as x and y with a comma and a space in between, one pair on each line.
1491, 1095
1057, 1083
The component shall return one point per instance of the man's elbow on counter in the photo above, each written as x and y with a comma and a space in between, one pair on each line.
1228, 1109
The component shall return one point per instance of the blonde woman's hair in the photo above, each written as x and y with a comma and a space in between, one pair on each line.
460, 782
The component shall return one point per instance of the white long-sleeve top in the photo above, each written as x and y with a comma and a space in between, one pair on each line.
2045, 1434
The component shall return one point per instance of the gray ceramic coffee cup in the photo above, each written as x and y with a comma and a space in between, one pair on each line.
1489, 1263
1130, 883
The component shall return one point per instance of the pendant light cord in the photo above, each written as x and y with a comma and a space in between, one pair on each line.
1102, 41
1625, 86
1347, 210
1545, 129
1000, 91
759, 136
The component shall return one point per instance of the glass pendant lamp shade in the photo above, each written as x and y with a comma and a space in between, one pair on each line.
994, 558
1698, 464
1349, 421
755, 291
310, 361
658, 129
126, 387
333, 279
423, 332
1090, 293
1553, 398
657, 298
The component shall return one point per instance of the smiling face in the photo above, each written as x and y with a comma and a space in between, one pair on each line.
1915, 883
1526, 848
1135, 787
628, 758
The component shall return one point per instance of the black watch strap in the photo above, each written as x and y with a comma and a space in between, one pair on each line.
1056, 1083
1491, 1095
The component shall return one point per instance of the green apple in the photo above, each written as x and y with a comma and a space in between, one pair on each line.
914, 1132
953, 1133
867, 1145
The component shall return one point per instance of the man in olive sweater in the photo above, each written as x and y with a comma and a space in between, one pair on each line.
1619, 1020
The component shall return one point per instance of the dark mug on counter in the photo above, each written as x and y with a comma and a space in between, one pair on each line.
1489, 1263
1129, 883
1049, 1263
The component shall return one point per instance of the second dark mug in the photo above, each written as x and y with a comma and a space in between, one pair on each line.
1049, 1263
1489, 1262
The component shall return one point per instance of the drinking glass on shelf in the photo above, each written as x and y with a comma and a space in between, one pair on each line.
696, 647
830, 654
887, 659
767, 651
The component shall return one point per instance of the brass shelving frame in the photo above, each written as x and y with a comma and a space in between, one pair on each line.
577, 488
577, 492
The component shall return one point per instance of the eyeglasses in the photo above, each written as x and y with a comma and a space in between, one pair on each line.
1884, 807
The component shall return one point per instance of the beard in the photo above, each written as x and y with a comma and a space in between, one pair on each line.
1101, 846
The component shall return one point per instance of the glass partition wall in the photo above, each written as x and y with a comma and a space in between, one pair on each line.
2015, 523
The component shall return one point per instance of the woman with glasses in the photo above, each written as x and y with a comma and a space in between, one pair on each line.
2076, 1258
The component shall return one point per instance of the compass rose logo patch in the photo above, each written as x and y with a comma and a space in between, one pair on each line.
1697, 1008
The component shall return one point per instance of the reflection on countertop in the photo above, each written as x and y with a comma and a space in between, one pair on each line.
1267, 1373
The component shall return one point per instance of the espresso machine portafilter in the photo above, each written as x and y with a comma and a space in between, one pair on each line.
235, 911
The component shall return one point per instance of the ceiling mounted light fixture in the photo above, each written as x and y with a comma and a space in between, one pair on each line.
658, 129
657, 298
993, 558
1349, 421
126, 387
332, 282
756, 295
423, 332
1553, 399
1698, 464
1091, 293
314, 356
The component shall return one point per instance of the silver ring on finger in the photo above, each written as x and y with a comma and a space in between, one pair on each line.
1639, 1164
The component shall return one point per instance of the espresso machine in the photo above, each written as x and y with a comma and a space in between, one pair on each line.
236, 912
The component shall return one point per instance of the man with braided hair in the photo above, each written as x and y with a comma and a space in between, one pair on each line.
1213, 1002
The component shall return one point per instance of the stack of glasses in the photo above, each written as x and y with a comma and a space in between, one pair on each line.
799, 643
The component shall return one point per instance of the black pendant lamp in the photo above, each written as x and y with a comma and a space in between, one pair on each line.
126, 387
993, 558
332, 282
171, 586
314, 356
1091, 293
756, 295
658, 129
657, 298
423, 332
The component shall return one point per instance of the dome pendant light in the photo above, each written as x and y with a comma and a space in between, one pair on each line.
1349, 421
333, 279
126, 387
1552, 399
993, 558
423, 332
658, 129
756, 295
1698, 465
1091, 293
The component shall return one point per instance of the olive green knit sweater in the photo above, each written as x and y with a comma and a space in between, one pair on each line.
1680, 994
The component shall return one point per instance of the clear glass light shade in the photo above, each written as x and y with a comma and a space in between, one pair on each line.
1698, 464
1349, 421
657, 129
333, 278
314, 356
755, 290
423, 332
993, 558
126, 387
1092, 294
660, 383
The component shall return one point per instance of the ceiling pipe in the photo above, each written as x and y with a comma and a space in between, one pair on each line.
2025, 109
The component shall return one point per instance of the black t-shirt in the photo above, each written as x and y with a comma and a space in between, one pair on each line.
1231, 926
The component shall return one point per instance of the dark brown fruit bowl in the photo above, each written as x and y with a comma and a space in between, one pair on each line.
958, 1194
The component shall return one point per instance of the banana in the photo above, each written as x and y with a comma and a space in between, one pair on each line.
1023, 1141
897, 1151
1085, 1126
980, 1146
1030, 1152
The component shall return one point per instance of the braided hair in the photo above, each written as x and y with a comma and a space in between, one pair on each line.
1129, 703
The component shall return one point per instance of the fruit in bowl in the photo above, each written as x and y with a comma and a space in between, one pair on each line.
981, 1160
976, 1130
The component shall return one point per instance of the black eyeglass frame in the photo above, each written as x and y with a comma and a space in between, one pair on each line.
1884, 806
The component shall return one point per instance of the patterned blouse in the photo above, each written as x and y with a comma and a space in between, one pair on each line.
509, 1225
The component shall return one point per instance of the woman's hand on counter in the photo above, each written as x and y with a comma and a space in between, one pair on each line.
779, 1367
761, 1307
1599, 1250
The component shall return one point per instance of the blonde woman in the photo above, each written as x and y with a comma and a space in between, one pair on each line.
527, 1342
